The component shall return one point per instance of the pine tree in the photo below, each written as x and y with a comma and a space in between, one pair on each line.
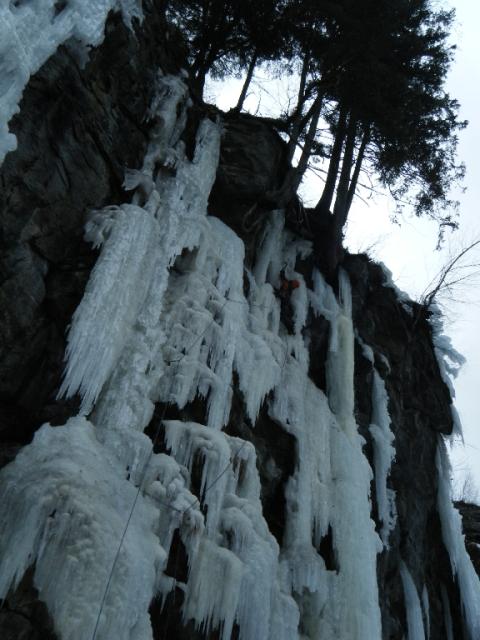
373, 71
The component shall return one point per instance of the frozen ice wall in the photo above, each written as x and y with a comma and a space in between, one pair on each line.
166, 319
88, 479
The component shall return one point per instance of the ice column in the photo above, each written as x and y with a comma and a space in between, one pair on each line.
412, 605
354, 537
383, 455
453, 538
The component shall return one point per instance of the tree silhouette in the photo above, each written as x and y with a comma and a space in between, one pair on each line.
371, 71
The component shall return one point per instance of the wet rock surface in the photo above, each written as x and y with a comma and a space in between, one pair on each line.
471, 526
23, 616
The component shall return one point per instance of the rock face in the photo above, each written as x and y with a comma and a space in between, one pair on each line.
78, 129
471, 524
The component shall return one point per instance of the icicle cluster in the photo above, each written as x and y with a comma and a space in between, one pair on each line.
165, 318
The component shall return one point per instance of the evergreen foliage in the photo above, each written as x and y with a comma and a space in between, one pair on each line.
373, 70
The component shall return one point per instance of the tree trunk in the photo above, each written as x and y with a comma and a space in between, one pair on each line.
340, 207
310, 137
203, 67
296, 124
325, 201
246, 84
202, 49
334, 233
358, 166
294, 175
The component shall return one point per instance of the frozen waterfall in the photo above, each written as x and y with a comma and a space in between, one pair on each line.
165, 319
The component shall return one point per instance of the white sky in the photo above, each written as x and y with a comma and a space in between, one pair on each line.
409, 250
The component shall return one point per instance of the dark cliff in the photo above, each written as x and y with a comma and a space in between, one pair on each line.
78, 129
471, 525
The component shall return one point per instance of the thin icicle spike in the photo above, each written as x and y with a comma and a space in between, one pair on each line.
447, 614
412, 605
383, 455
426, 610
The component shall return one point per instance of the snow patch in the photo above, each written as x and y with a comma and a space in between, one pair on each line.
450, 361
402, 296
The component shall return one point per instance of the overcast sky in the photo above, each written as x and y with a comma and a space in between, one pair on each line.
409, 250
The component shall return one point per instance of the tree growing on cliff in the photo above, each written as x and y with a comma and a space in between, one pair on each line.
393, 112
370, 72
226, 36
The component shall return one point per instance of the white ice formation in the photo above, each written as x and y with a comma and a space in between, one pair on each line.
447, 614
383, 447
383, 455
165, 319
32, 30
426, 610
450, 361
412, 605
453, 539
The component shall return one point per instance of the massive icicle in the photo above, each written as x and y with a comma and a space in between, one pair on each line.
383, 455
354, 535
383, 448
412, 605
114, 297
116, 331
453, 538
